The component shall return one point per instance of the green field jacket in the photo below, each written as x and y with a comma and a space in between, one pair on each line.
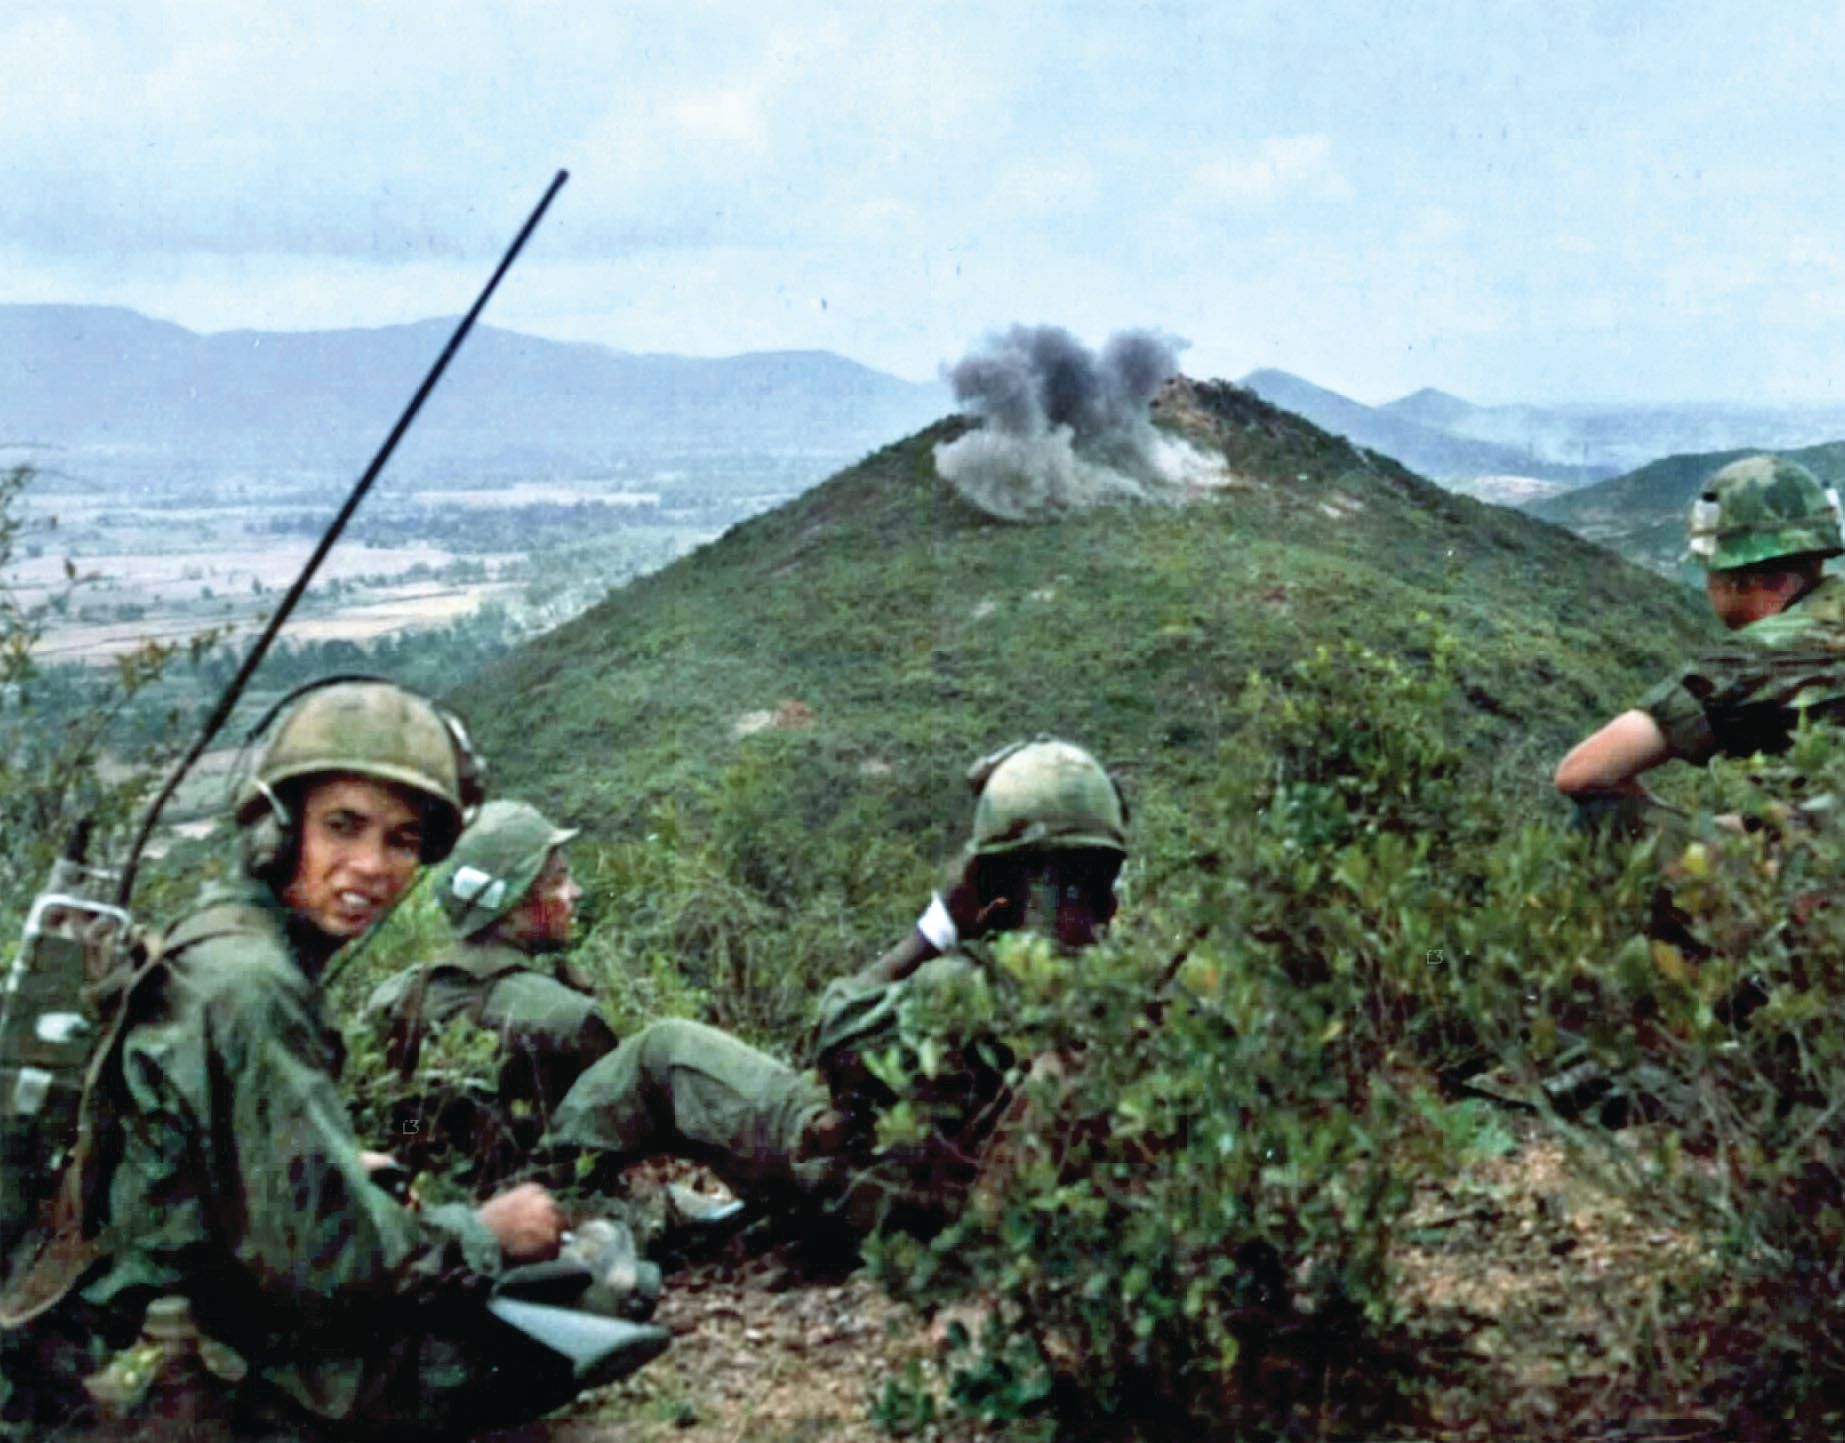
233, 1174
1747, 697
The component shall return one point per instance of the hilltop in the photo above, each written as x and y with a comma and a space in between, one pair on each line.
853, 648
1641, 515
766, 739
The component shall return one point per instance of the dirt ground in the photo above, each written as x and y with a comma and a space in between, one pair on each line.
1535, 1274
1547, 1282
755, 1355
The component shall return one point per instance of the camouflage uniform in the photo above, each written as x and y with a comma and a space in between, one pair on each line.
1747, 696
541, 1007
233, 1176
216, 1159
547, 1020
691, 1090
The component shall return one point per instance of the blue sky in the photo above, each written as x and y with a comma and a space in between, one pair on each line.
1512, 201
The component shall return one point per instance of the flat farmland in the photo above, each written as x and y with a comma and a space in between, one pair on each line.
166, 569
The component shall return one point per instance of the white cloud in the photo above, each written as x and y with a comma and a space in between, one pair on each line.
724, 117
1280, 168
1054, 185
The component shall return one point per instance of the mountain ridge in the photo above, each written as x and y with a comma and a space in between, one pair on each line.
1427, 449
109, 376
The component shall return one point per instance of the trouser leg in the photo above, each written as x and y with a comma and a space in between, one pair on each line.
684, 1088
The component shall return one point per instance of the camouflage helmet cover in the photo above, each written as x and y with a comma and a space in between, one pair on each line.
1761, 508
495, 863
1045, 795
377, 730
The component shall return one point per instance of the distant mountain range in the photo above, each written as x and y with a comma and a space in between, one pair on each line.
1449, 438
1425, 446
105, 377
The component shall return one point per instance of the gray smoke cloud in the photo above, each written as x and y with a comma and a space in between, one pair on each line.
1065, 428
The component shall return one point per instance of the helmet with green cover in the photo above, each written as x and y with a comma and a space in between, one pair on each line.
1763, 508
371, 729
1045, 795
495, 863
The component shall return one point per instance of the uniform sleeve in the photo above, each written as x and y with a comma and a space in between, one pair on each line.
254, 1136
1677, 710
1747, 700
543, 1015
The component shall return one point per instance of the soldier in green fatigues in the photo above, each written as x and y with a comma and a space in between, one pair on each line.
1048, 841
1763, 527
216, 1160
511, 905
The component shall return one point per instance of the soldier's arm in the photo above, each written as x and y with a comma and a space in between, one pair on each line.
955, 913
298, 1211
898, 963
1609, 762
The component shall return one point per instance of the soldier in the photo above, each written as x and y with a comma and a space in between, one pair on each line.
1763, 527
511, 905
1048, 841
216, 1160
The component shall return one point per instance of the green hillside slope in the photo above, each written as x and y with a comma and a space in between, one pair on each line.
1641, 515
893, 632
1343, 871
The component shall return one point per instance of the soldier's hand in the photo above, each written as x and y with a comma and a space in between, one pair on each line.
960, 896
527, 1221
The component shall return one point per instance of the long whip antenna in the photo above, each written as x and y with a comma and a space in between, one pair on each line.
254, 657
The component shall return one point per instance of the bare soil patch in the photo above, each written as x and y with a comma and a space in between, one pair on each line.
754, 1356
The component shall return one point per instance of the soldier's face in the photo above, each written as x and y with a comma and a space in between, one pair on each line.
545, 920
361, 842
1741, 598
1066, 896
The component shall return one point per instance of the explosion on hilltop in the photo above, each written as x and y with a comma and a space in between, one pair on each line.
1066, 428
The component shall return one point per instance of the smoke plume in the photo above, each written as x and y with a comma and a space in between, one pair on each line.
1065, 428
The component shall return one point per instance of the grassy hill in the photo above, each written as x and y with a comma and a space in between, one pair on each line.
1642, 514
1349, 863
886, 632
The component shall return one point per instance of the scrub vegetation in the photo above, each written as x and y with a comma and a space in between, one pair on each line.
1262, 1179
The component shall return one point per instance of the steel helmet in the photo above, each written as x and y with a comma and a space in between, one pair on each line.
371, 729
1045, 795
1761, 508
495, 863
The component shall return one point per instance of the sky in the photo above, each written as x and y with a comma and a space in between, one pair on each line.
1548, 201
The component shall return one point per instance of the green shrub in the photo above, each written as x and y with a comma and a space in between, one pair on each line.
1187, 1215
1188, 1219
1725, 1035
